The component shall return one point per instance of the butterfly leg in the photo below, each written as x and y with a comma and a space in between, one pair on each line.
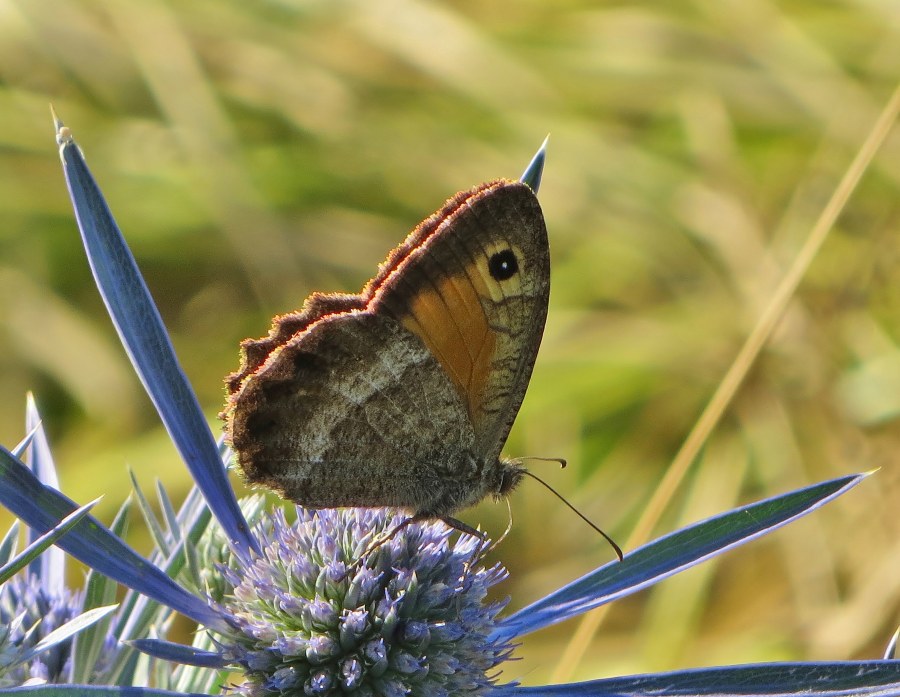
419, 518
379, 540
461, 526
483, 546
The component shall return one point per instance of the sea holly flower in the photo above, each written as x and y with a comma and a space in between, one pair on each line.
49, 636
412, 620
295, 625
37, 631
274, 598
39, 620
40, 617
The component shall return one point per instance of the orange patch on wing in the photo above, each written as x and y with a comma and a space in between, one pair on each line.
449, 318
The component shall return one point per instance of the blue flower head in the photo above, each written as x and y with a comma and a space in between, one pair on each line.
284, 604
412, 620
28, 613
39, 614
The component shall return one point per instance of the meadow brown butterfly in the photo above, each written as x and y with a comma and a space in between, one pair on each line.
404, 394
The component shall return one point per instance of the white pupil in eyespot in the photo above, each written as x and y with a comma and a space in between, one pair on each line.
503, 265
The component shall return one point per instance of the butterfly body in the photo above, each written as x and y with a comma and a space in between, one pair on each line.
404, 395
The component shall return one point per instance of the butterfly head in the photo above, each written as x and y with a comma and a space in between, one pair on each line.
508, 475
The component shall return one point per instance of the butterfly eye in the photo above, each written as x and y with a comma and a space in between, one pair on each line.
503, 265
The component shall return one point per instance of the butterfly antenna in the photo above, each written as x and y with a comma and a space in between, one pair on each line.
561, 461
611, 541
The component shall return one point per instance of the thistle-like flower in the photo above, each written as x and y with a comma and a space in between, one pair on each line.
39, 614
411, 621
28, 613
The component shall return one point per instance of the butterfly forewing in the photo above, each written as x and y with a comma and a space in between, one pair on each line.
483, 327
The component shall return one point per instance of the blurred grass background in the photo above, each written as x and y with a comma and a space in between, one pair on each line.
254, 152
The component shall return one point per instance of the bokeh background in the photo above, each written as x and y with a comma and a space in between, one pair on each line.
255, 151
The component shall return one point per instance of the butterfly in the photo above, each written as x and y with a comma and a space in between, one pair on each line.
404, 395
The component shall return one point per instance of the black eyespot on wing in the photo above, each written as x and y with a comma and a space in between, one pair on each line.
503, 265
